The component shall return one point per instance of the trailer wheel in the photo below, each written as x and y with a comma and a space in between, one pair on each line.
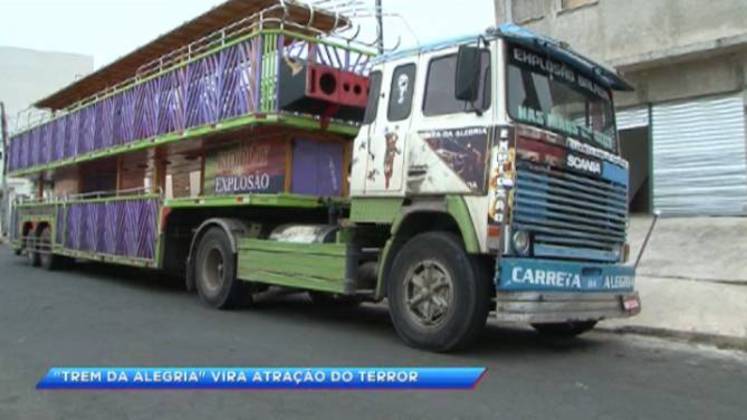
32, 254
565, 329
47, 259
215, 273
439, 298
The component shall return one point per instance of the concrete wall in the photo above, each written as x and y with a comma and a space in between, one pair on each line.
669, 49
616, 31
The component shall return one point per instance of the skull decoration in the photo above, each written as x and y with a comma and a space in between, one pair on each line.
403, 83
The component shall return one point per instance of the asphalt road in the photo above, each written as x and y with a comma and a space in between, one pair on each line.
100, 315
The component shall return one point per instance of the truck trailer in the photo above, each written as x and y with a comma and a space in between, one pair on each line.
256, 147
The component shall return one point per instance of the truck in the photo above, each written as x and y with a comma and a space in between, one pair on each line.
253, 148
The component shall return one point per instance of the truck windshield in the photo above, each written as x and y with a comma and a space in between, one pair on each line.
552, 95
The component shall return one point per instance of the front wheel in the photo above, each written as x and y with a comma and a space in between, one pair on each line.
439, 298
565, 329
215, 273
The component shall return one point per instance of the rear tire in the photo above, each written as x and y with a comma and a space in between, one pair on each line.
215, 273
47, 259
565, 329
439, 298
32, 254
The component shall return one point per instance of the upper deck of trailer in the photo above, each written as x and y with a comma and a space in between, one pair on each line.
215, 74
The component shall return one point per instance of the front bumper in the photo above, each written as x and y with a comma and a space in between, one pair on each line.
537, 291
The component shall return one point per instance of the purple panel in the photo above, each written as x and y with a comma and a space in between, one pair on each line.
146, 228
146, 108
111, 223
121, 228
317, 168
203, 91
124, 119
132, 223
72, 128
27, 146
171, 115
87, 130
59, 138
34, 154
60, 225
104, 130
73, 222
99, 227
238, 90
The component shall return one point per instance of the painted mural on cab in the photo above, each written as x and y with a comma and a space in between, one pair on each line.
464, 151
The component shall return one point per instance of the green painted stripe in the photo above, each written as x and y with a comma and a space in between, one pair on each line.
271, 200
305, 266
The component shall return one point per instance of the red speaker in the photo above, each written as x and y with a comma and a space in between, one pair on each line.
322, 90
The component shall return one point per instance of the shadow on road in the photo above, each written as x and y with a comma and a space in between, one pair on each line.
369, 319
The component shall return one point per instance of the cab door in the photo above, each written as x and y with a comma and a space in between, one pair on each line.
388, 136
451, 141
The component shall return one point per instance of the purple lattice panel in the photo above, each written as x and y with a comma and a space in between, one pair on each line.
86, 226
59, 231
146, 108
124, 117
239, 93
72, 128
35, 153
27, 145
113, 224
131, 211
104, 132
45, 143
99, 222
87, 130
171, 102
146, 228
58, 141
15, 149
73, 224
203, 87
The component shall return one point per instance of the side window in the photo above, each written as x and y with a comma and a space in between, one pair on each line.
374, 92
439, 98
400, 95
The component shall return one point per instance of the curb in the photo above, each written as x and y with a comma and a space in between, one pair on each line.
724, 342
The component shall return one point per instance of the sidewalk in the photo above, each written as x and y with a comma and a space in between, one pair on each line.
692, 280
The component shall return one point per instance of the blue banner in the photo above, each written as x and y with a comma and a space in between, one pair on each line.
275, 378
529, 275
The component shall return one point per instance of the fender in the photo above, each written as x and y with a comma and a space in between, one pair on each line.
454, 206
234, 228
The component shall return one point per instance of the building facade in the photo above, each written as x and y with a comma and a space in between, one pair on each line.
683, 129
25, 77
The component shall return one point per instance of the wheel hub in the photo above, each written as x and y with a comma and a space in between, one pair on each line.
428, 293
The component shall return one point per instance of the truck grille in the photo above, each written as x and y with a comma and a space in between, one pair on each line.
570, 215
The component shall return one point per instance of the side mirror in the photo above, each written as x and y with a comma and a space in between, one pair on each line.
468, 73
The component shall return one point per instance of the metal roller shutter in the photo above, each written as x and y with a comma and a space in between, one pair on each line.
699, 157
631, 118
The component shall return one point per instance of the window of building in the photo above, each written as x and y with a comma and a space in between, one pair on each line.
400, 95
439, 90
575, 4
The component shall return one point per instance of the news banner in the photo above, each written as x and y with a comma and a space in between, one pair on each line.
258, 378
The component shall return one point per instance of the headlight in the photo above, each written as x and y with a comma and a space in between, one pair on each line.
522, 243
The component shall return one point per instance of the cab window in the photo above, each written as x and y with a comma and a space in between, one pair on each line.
440, 99
401, 92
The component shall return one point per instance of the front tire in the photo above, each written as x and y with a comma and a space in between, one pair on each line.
565, 329
439, 298
215, 273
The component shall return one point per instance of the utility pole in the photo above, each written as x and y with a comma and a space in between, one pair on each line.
379, 27
4, 155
